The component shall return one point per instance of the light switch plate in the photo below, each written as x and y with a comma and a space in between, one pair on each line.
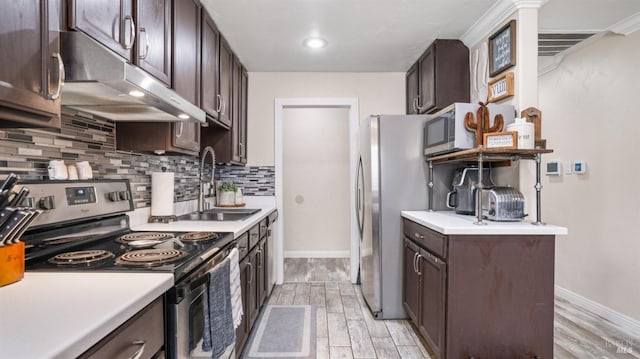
567, 168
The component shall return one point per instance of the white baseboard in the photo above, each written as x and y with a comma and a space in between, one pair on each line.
316, 254
617, 318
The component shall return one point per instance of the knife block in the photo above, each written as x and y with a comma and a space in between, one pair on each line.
11, 263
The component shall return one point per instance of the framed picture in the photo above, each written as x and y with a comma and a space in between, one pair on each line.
503, 140
502, 49
501, 87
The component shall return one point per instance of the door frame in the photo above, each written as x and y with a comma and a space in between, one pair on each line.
279, 106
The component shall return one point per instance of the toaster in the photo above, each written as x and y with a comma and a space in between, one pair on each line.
502, 204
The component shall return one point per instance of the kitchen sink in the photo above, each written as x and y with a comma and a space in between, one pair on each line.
220, 214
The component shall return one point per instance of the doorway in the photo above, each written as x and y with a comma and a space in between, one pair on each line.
304, 128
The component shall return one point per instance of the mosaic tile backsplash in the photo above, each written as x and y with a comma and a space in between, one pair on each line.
27, 153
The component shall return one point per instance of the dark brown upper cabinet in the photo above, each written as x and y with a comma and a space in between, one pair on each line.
226, 78
211, 101
31, 67
173, 138
443, 77
109, 22
153, 40
230, 145
412, 89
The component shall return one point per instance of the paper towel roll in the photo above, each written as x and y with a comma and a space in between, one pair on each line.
162, 194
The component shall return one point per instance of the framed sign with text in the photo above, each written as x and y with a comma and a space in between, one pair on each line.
502, 140
501, 87
502, 49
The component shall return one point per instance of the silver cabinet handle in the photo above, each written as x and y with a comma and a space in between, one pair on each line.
250, 279
140, 351
179, 134
418, 235
219, 103
146, 44
415, 104
241, 149
415, 262
132, 37
224, 105
418, 264
56, 95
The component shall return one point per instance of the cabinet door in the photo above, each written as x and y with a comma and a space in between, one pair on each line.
30, 78
432, 272
411, 281
412, 89
262, 272
186, 69
210, 67
242, 122
186, 135
427, 96
243, 329
253, 306
153, 42
235, 109
226, 75
110, 22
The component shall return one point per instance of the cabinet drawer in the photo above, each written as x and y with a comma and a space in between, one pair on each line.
147, 327
426, 238
243, 245
254, 235
263, 227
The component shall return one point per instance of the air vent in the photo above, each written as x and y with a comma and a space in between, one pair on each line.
553, 44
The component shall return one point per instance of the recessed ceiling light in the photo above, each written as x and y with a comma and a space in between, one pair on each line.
183, 116
136, 93
315, 42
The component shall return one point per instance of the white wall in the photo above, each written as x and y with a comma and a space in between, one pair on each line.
377, 93
589, 112
317, 189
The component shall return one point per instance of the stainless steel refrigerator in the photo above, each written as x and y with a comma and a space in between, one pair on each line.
391, 178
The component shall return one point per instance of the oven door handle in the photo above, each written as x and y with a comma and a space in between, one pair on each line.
188, 286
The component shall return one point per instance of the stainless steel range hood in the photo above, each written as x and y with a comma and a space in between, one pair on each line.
100, 82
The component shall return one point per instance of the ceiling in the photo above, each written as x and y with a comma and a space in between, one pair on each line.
375, 35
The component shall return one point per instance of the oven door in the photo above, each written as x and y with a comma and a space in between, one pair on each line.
186, 304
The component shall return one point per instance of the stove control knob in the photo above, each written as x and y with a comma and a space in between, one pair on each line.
117, 196
47, 202
124, 195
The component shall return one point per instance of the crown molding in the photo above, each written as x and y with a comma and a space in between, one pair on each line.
498, 13
627, 26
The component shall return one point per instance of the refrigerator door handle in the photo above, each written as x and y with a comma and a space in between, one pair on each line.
359, 199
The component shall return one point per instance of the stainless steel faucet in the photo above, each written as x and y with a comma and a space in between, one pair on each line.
203, 155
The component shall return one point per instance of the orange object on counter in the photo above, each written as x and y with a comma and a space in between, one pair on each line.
11, 263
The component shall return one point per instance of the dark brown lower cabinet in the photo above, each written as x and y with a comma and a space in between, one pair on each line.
143, 334
253, 279
480, 296
242, 332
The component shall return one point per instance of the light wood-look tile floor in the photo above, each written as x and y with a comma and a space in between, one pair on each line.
346, 328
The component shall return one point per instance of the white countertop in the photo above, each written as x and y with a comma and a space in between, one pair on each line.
61, 315
448, 222
266, 204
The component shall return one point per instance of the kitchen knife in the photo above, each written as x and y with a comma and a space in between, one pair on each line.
22, 227
4, 198
9, 182
17, 199
5, 214
10, 226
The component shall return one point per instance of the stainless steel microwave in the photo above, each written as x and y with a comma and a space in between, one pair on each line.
444, 131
